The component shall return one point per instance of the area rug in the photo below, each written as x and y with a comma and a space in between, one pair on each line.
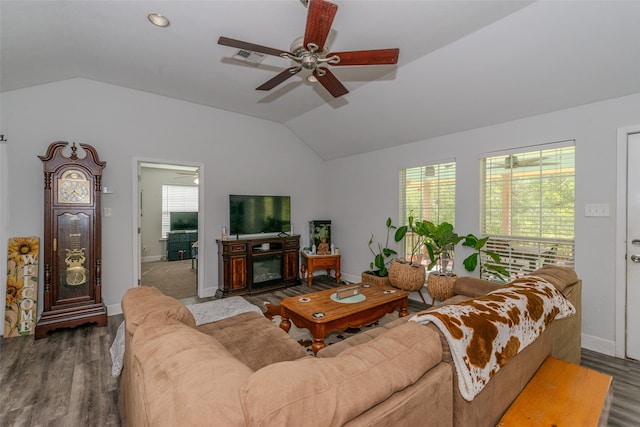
304, 338
320, 283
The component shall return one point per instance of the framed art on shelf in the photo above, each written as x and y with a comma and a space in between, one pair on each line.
318, 229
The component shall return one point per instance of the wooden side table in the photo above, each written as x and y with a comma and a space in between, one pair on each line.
311, 263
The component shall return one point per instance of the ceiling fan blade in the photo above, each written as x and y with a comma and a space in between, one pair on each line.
319, 20
270, 84
331, 83
226, 41
367, 57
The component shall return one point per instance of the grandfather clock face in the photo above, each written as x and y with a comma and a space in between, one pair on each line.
74, 187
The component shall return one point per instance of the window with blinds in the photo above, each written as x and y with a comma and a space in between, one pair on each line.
428, 192
177, 198
528, 207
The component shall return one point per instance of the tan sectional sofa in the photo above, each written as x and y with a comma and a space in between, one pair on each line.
244, 370
560, 339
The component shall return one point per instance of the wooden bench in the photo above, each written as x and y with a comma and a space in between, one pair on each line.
561, 394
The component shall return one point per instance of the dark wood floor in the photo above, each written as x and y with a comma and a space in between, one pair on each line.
61, 380
65, 379
625, 407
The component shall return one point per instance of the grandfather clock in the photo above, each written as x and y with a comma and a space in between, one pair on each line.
72, 239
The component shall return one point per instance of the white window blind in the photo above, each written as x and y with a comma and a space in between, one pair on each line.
428, 192
528, 207
177, 198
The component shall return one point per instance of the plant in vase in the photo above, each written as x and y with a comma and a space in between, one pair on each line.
475, 259
378, 273
440, 241
410, 275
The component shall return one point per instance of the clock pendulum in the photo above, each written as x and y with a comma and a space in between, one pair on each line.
75, 274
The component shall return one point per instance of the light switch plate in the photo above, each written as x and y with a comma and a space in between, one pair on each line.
596, 209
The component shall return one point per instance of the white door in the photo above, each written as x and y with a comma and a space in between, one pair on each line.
633, 246
138, 225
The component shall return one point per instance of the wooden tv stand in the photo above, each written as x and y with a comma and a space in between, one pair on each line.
251, 266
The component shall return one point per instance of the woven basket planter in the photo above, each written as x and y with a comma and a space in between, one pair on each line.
372, 279
440, 287
407, 277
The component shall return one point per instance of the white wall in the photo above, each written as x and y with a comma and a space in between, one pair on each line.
151, 181
364, 191
247, 155
240, 155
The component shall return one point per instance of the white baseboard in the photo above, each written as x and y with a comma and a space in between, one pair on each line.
113, 309
599, 345
208, 292
152, 258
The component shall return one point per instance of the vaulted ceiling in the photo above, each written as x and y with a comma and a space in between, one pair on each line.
462, 65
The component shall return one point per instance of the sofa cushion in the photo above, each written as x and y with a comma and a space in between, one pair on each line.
146, 302
254, 340
332, 391
365, 336
560, 277
474, 287
187, 377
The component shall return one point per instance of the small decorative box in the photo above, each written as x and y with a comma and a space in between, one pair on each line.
347, 292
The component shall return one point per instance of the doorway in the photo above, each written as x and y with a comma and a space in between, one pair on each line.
169, 227
633, 246
628, 250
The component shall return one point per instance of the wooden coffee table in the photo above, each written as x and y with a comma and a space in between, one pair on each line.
337, 316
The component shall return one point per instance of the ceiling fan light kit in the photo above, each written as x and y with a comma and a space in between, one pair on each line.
310, 53
158, 20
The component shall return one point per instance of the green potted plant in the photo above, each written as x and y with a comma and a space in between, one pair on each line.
440, 245
378, 271
439, 240
475, 259
410, 275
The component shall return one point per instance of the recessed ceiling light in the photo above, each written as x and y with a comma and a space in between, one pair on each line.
158, 20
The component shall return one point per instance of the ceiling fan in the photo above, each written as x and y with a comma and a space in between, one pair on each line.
190, 175
309, 52
512, 162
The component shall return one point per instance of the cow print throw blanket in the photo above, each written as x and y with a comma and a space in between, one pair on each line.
486, 332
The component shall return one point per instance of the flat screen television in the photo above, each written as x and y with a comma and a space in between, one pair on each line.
259, 214
182, 221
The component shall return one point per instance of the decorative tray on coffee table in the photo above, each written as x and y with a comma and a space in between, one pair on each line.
348, 295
